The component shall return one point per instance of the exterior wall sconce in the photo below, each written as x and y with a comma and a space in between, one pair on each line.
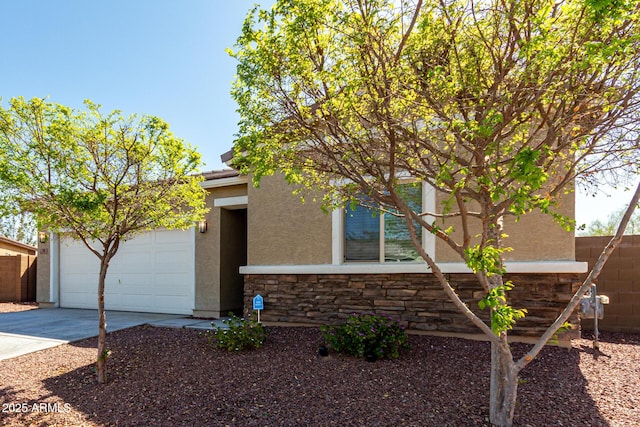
43, 237
202, 225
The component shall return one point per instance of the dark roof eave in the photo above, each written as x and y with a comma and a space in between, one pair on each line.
19, 244
220, 174
227, 157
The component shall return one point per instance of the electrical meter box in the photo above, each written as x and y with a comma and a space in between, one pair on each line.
589, 304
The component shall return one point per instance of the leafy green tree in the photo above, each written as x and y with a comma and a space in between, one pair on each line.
14, 223
608, 226
97, 178
499, 104
20, 227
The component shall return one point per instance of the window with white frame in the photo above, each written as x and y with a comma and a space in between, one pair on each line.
372, 236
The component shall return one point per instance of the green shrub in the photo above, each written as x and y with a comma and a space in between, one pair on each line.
371, 335
239, 333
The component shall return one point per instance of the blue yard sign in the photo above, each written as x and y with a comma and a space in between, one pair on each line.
258, 302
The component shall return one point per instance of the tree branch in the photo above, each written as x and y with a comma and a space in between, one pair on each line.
586, 284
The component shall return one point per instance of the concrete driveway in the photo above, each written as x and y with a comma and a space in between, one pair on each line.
32, 330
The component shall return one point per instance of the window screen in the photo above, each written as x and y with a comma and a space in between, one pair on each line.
363, 226
362, 231
397, 242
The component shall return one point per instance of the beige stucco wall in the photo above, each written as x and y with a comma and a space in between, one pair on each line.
42, 278
43, 273
208, 248
282, 230
536, 237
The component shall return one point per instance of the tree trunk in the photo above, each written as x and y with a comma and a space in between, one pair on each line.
101, 363
504, 385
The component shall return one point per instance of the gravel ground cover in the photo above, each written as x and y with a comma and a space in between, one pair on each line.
8, 307
171, 377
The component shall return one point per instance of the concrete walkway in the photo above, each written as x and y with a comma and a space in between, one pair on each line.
33, 330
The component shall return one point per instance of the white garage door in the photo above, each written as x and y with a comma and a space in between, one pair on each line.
154, 272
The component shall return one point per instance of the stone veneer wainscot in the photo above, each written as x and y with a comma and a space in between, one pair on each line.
416, 299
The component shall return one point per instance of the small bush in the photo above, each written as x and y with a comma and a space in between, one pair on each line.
367, 334
240, 334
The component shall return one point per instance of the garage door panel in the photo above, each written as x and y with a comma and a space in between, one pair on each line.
134, 301
110, 282
112, 301
131, 280
79, 261
82, 282
81, 299
172, 237
170, 281
168, 303
176, 247
154, 272
138, 260
111, 289
176, 291
144, 239
168, 263
132, 288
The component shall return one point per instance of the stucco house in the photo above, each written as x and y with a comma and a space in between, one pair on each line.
310, 267
191, 272
13, 247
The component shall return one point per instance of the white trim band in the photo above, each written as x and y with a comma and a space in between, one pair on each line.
225, 182
401, 267
236, 202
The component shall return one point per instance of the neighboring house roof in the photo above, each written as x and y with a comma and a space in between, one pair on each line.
219, 174
19, 245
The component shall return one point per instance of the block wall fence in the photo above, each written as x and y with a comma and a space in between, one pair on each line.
619, 280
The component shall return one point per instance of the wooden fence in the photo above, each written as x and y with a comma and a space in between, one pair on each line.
18, 278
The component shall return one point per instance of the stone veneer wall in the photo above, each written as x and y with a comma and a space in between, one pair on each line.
415, 299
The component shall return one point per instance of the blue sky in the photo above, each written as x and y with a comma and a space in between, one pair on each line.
161, 57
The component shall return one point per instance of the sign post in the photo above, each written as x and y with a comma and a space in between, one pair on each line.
258, 304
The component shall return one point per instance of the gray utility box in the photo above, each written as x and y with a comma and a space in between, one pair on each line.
590, 304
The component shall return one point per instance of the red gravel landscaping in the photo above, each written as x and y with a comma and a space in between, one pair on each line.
8, 307
171, 377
